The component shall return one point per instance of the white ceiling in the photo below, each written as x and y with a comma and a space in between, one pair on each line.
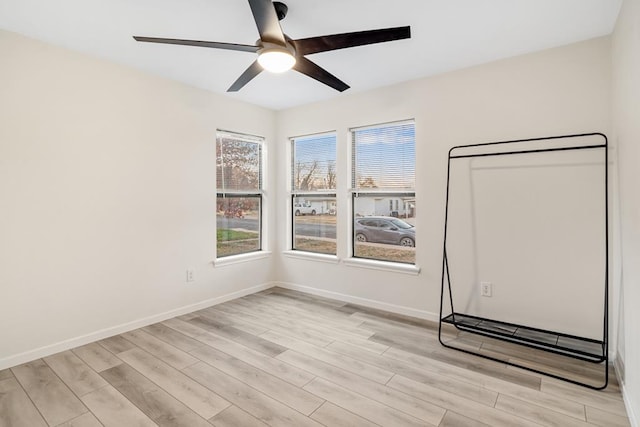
446, 35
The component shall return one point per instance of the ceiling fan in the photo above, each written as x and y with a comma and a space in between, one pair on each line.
278, 53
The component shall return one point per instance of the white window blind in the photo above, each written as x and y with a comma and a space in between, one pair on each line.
313, 165
383, 157
238, 162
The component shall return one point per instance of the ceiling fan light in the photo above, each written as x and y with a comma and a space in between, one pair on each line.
276, 60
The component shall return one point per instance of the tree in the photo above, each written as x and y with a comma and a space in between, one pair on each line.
237, 165
367, 182
305, 175
331, 176
307, 182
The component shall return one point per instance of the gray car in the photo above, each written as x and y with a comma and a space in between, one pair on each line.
384, 229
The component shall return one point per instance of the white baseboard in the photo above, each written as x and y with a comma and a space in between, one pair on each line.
48, 350
631, 413
633, 417
398, 309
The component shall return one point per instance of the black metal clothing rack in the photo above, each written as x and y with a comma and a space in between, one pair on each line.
585, 349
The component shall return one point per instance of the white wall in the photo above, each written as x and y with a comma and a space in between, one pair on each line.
558, 91
626, 119
107, 196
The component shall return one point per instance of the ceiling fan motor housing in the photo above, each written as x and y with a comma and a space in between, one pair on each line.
281, 10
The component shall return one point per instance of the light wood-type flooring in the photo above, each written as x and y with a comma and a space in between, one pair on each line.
285, 358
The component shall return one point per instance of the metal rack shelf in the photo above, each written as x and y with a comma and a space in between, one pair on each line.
585, 349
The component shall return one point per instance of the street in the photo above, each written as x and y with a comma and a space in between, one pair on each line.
302, 228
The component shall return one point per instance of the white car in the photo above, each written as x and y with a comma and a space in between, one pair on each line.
303, 209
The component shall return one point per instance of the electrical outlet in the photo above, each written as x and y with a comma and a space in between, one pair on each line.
190, 276
486, 289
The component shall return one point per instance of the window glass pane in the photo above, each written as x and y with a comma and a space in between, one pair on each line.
314, 224
314, 163
238, 163
379, 235
384, 157
238, 224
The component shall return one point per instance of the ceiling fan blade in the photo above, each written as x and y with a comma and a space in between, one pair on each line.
264, 13
304, 66
341, 41
248, 75
217, 45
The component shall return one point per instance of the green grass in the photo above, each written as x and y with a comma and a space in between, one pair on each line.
226, 235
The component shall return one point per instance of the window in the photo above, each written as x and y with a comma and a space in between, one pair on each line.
383, 192
313, 193
239, 193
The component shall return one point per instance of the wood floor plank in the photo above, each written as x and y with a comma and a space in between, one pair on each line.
457, 372
85, 420
306, 297
424, 370
16, 409
535, 413
76, 374
185, 327
460, 405
235, 417
114, 410
173, 337
275, 367
333, 415
546, 400
166, 352
270, 385
258, 404
312, 313
200, 399
275, 324
489, 384
606, 419
451, 419
487, 367
97, 357
5, 374
364, 407
585, 396
55, 401
319, 323
214, 314
345, 362
255, 342
116, 344
157, 404
392, 320
417, 408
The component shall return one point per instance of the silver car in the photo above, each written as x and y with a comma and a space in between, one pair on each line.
384, 229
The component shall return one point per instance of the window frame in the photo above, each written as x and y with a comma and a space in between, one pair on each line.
356, 192
222, 193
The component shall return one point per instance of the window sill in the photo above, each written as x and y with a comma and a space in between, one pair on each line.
332, 259
237, 259
383, 265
